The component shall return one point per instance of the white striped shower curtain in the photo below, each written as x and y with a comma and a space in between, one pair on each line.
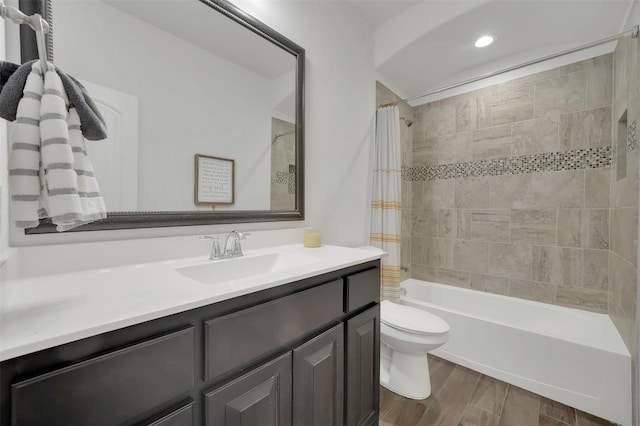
385, 207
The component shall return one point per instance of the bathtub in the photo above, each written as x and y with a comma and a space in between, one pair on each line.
568, 355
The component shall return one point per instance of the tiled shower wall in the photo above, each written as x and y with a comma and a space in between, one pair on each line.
509, 187
283, 161
624, 199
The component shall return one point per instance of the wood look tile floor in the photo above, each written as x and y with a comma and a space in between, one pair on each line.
463, 397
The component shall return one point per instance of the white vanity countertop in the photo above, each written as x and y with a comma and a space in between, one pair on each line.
43, 312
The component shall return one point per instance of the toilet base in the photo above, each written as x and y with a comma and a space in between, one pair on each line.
406, 374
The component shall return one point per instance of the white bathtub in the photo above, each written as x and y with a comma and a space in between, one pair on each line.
568, 355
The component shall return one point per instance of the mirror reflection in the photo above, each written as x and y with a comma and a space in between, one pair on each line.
175, 79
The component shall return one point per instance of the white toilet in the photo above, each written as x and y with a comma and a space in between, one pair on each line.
407, 334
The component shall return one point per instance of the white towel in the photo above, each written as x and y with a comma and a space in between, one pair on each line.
68, 191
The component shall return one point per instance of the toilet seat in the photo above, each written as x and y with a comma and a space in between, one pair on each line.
410, 319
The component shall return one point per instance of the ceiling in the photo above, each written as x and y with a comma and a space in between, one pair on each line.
428, 44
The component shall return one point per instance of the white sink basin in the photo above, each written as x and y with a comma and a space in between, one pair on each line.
224, 270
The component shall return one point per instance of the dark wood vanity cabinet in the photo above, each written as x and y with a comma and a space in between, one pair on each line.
305, 353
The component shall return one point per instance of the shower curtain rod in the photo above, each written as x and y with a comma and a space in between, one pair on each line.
633, 31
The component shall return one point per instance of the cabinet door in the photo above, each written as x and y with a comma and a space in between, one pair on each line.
363, 367
318, 380
261, 397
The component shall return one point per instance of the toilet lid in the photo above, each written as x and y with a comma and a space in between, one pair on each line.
411, 319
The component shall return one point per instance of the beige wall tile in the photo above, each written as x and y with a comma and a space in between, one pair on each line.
465, 116
534, 226
483, 111
417, 195
452, 277
557, 265
455, 148
510, 260
582, 298
512, 105
570, 227
438, 121
438, 252
405, 223
472, 256
585, 129
625, 191
560, 95
623, 322
534, 136
406, 193
493, 142
583, 228
596, 187
463, 224
490, 225
446, 222
472, 193
558, 189
422, 272
598, 229
405, 252
424, 223
595, 269
454, 224
624, 232
624, 284
416, 250
490, 283
600, 82
439, 194
532, 290
511, 191
425, 152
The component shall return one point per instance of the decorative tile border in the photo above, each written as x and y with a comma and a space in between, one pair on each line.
292, 179
592, 158
631, 137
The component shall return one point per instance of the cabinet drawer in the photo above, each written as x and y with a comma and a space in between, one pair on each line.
235, 340
362, 288
109, 389
183, 416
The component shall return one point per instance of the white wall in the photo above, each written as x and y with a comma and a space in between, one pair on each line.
339, 113
340, 104
4, 150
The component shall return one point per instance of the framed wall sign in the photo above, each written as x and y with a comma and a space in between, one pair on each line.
214, 180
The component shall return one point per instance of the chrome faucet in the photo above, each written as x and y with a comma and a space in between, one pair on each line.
232, 247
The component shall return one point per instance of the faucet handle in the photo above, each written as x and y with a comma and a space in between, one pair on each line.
243, 235
216, 253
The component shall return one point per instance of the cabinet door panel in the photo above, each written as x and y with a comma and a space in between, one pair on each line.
318, 374
363, 367
261, 397
109, 389
183, 416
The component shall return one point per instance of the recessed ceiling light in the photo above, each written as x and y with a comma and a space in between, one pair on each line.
485, 40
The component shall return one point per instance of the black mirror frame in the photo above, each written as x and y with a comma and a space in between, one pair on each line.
157, 219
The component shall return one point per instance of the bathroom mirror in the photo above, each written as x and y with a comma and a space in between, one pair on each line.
179, 80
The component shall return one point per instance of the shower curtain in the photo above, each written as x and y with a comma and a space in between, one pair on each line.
385, 207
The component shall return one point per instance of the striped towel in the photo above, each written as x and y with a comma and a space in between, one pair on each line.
50, 174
